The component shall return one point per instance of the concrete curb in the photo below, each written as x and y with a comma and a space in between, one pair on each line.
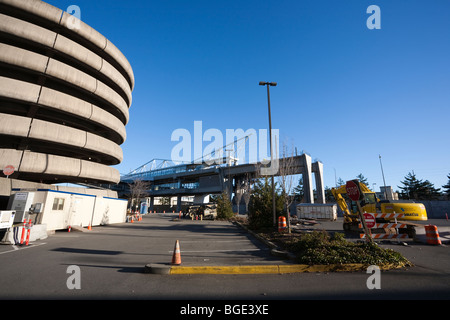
157, 268
258, 269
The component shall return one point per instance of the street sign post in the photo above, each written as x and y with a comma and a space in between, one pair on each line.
353, 190
370, 220
355, 194
8, 170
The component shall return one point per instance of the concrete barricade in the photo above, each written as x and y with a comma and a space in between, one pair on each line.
13, 235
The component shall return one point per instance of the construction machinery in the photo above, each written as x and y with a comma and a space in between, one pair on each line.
203, 211
410, 211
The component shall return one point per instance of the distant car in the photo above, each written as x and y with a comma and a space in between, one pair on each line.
204, 210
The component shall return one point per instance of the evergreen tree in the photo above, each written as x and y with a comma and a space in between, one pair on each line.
429, 192
362, 179
340, 182
328, 195
417, 189
447, 187
410, 186
260, 212
224, 207
298, 191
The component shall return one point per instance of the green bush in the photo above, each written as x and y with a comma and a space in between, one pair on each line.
260, 209
321, 248
224, 208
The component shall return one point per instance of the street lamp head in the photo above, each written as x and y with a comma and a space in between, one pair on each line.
262, 83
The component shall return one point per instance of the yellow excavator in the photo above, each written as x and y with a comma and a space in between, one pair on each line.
371, 204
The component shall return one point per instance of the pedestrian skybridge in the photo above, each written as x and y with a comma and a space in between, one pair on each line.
167, 179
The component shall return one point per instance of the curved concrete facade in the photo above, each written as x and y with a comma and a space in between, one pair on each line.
65, 91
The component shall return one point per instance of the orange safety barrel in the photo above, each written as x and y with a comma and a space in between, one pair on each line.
432, 235
281, 224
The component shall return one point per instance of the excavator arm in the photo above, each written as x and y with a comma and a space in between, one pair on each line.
337, 193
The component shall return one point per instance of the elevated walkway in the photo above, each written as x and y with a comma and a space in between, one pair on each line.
214, 177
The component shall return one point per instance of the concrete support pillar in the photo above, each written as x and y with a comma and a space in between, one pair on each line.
237, 194
178, 203
245, 195
307, 179
318, 175
152, 202
229, 188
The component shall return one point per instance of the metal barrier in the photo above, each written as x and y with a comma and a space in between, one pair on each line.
387, 226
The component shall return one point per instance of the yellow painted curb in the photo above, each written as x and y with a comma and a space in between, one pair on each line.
260, 269
224, 269
264, 269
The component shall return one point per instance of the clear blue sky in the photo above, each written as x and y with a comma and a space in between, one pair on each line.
345, 93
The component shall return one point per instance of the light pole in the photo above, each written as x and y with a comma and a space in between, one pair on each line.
384, 181
268, 84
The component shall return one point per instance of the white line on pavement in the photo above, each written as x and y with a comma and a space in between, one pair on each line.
15, 248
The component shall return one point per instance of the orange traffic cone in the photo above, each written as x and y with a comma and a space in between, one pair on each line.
432, 235
89, 226
68, 230
176, 258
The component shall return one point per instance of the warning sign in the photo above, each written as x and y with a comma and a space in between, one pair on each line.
370, 220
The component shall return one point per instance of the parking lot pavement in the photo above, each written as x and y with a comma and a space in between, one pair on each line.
113, 257
219, 243
206, 242
111, 261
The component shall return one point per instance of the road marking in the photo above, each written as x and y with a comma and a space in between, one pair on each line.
15, 248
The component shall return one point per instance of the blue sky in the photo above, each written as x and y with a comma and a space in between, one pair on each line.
345, 94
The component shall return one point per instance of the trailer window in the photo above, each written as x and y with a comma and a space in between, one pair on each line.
58, 204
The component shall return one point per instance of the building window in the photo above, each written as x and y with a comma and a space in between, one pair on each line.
58, 204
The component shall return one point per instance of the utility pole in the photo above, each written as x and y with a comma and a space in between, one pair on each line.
268, 84
384, 182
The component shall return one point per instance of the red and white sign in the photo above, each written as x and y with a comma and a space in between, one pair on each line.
370, 220
353, 191
8, 170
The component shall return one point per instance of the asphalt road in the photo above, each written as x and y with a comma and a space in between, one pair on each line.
111, 262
